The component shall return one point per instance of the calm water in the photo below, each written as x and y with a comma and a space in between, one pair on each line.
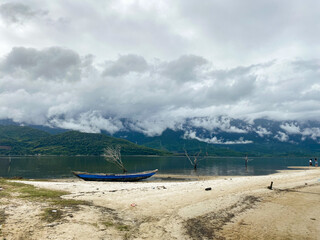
61, 167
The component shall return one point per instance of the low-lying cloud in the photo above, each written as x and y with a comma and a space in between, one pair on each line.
294, 129
215, 139
60, 88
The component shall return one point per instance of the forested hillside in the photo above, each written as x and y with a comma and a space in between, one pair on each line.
17, 140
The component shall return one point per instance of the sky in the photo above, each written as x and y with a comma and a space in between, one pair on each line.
87, 65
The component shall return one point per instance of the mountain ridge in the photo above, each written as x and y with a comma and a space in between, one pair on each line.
23, 140
214, 136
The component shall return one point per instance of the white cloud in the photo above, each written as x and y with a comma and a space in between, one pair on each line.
253, 29
291, 128
91, 122
40, 85
282, 137
228, 33
214, 140
216, 123
239, 141
314, 133
262, 131
87, 64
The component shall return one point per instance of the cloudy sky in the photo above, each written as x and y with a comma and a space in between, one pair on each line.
86, 65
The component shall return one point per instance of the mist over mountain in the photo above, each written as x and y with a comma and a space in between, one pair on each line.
259, 137
223, 136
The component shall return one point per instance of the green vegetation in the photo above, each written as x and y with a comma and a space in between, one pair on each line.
77, 143
56, 205
123, 227
2, 217
2, 220
31, 193
174, 142
23, 134
51, 215
108, 223
55, 210
119, 226
16, 140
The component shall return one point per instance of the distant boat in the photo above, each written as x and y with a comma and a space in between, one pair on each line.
110, 177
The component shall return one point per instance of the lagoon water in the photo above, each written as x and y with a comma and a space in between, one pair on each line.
61, 167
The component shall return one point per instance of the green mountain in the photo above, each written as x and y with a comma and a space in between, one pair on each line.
19, 133
173, 141
77, 143
17, 140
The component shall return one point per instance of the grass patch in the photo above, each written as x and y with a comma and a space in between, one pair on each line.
31, 192
2, 217
123, 227
108, 223
9, 183
52, 197
8, 188
119, 226
2, 220
51, 215
3, 193
27, 191
71, 203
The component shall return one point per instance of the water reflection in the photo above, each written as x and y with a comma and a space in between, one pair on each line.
61, 167
5, 165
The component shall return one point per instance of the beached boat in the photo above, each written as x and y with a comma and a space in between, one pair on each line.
126, 177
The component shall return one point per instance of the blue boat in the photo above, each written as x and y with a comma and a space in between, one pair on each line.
126, 177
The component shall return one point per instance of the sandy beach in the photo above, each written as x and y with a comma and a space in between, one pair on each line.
203, 208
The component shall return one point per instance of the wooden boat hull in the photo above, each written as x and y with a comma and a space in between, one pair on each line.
129, 177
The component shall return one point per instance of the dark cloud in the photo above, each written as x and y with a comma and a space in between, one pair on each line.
126, 64
184, 68
13, 12
49, 64
231, 90
39, 87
